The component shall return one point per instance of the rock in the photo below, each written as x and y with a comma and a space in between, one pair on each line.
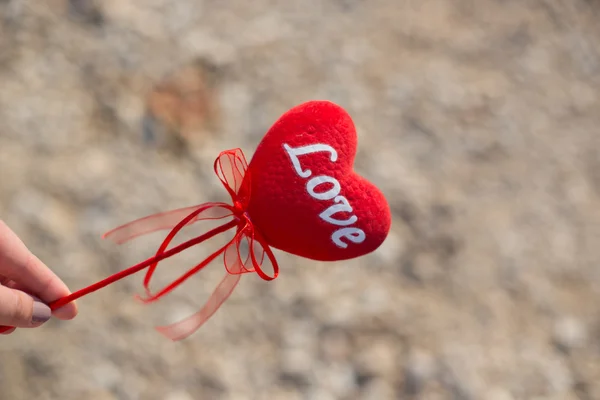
296, 362
335, 345
98, 395
378, 389
184, 104
179, 395
569, 333
339, 379
498, 394
419, 369
106, 374
379, 358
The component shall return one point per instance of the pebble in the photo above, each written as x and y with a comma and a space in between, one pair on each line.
98, 395
296, 361
339, 378
335, 345
106, 374
179, 395
569, 333
391, 249
420, 368
498, 394
320, 394
378, 389
380, 358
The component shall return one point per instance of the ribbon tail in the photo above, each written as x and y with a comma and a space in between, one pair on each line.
235, 267
184, 328
161, 221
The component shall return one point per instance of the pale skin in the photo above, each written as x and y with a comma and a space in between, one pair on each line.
23, 278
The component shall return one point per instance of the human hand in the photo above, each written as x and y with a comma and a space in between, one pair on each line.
27, 285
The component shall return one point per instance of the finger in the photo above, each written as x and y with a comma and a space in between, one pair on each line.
33, 276
58, 313
20, 310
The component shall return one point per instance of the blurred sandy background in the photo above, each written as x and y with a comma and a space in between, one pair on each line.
479, 120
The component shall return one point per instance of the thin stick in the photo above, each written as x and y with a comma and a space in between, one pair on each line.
138, 267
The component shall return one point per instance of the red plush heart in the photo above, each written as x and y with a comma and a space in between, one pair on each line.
306, 198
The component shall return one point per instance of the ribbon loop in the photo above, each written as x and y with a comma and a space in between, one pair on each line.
231, 167
232, 170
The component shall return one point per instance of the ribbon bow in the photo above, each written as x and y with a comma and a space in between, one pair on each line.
232, 169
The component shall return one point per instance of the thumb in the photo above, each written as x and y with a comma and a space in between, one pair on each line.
19, 309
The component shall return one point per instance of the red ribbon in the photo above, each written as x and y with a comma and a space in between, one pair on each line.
232, 169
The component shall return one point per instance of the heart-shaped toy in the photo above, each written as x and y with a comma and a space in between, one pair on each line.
298, 194
306, 198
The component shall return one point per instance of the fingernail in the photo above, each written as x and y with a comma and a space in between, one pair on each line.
41, 312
